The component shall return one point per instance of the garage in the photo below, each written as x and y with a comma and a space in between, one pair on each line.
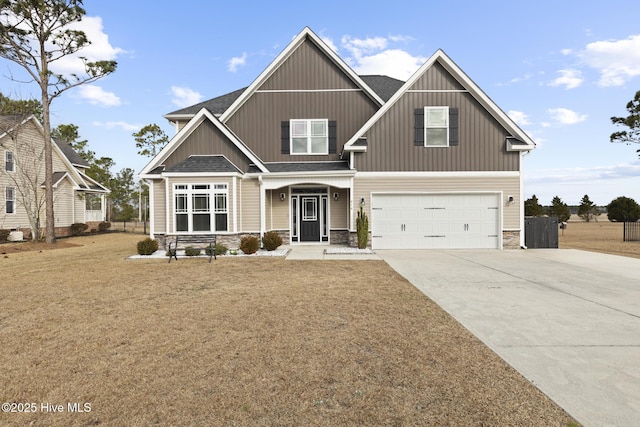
435, 221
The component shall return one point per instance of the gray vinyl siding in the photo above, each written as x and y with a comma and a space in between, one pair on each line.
481, 138
206, 139
306, 71
509, 186
308, 68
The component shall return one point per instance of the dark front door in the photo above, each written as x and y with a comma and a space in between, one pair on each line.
309, 218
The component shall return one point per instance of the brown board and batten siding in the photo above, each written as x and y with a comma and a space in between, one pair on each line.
207, 139
481, 145
307, 86
508, 186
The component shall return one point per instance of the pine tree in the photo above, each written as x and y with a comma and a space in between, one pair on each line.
587, 209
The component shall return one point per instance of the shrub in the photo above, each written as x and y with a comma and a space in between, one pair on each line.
219, 250
362, 229
147, 246
104, 226
78, 228
191, 251
4, 234
271, 240
249, 244
623, 209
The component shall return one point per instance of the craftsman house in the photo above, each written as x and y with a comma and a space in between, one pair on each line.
77, 198
432, 161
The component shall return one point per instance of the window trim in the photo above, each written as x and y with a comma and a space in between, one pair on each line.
426, 125
7, 154
309, 137
11, 199
188, 193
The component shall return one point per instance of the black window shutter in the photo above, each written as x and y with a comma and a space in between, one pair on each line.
333, 137
419, 127
453, 127
284, 137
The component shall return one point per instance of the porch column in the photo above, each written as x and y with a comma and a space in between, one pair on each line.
263, 212
152, 222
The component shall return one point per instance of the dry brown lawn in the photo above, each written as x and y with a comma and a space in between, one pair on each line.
240, 341
601, 236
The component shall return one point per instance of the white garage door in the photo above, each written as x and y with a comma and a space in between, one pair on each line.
433, 221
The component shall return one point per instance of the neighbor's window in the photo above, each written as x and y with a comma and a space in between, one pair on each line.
309, 136
10, 199
436, 126
9, 163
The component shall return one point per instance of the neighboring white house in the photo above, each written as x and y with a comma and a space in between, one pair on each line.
77, 197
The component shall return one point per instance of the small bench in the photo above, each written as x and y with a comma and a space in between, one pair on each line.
208, 247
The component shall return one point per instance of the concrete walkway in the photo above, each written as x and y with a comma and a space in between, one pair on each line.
568, 320
328, 252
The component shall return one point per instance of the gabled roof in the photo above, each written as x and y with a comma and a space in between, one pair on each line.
216, 106
69, 157
210, 164
71, 154
305, 34
150, 170
475, 91
383, 86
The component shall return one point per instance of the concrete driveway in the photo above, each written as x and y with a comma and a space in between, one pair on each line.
568, 320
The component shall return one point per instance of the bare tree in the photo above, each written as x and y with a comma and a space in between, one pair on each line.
35, 34
27, 174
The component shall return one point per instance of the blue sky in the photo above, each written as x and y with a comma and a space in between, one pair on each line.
560, 69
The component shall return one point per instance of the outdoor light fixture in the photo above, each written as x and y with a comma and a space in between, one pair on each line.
336, 196
362, 201
510, 199
282, 197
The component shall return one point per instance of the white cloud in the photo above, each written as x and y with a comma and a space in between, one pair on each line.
236, 62
360, 47
330, 43
570, 79
184, 97
597, 173
519, 117
566, 51
129, 127
100, 48
618, 61
565, 116
375, 55
97, 96
394, 63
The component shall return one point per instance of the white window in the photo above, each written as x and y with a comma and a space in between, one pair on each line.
9, 163
193, 207
10, 200
436, 126
309, 136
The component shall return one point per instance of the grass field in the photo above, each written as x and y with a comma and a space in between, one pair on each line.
602, 236
240, 341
